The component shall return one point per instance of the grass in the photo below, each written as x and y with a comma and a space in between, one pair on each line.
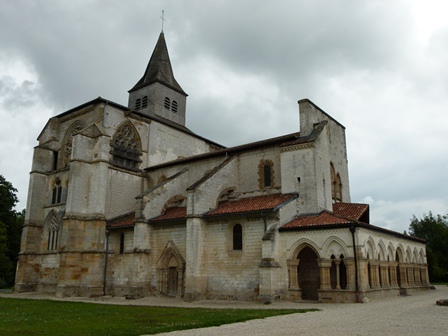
46, 317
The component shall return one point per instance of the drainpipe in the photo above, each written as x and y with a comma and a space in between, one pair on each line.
105, 262
353, 230
264, 220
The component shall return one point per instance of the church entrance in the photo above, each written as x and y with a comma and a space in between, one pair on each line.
172, 281
308, 274
170, 271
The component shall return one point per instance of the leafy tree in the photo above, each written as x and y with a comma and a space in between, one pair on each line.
434, 229
10, 230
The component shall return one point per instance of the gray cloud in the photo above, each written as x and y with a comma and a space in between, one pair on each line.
245, 65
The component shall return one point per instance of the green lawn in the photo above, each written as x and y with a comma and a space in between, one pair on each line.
45, 317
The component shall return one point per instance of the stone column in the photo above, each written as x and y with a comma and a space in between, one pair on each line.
393, 273
293, 274
350, 271
410, 272
374, 271
385, 274
403, 274
324, 266
417, 280
337, 263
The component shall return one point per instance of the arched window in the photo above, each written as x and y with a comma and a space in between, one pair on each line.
126, 147
338, 188
66, 150
144, 102
52, 226
174, 106
267, 175
121, 243
57, 192
138, 104
167, 103
238, 237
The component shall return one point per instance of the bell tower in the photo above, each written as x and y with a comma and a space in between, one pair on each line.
158, 92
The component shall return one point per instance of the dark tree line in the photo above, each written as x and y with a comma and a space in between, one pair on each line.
434, 229
11, 223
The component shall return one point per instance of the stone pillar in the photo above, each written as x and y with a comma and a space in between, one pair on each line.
384, 266
374, 271
417, 280
350, 271
324, 266
403, 275
393, 273
195, 277
293, 274
425, 277
410, 273
337, 263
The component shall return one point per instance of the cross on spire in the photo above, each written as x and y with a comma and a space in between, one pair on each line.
163, 18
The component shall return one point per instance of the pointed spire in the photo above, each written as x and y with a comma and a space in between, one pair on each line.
159, 69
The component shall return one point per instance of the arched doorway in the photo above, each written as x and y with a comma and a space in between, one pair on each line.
170, 270
308, 274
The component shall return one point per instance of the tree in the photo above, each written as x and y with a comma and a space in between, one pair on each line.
10, 231
434, 229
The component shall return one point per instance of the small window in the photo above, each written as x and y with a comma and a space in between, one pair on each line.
122, 243
138, 104
55, 159
167, 103
238, 237
144, 102
267, 175
174, 106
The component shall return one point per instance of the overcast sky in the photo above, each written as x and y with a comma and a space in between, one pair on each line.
378, 67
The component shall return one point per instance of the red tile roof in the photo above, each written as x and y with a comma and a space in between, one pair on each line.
350, 210
172, 213
249, 204
325, 218
126, 220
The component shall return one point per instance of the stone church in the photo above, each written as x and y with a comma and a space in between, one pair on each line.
127, 201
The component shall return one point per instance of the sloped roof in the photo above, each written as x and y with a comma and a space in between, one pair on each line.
159, 69
324, 218
355, 211
171, 213
122, 221
251, 204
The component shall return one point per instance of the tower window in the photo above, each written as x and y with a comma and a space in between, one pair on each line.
138, 104
174, 106
144, 102
167, 103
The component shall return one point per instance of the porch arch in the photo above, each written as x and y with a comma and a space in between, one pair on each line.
170, 271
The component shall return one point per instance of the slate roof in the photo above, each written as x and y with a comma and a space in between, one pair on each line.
252, 204
159, 69
123, 221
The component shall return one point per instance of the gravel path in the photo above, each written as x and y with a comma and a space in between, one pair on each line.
411, 315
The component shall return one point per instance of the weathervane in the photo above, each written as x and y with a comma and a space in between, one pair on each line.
163, 18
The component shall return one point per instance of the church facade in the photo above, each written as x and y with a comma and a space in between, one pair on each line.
127, 201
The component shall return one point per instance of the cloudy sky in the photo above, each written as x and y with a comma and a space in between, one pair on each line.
378, 67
